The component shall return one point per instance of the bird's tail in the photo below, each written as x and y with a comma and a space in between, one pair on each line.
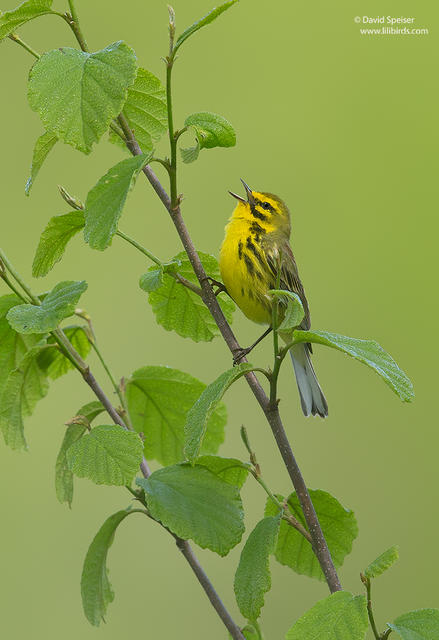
311, 396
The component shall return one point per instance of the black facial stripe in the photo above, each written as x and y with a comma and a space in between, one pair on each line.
257, 213
265, 205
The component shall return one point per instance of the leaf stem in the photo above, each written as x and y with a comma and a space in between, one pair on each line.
181, 279
4, 276
139, 247
368, 585
256, 626
107, 370
256, 473
18, 279
172, 137
73, 22
16, 38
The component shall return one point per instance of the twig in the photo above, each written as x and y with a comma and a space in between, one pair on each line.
73, 21
209, 589
271, 411
89, 378
256, 473
174, 274
367, 584
15, 38
139, 247
135, 149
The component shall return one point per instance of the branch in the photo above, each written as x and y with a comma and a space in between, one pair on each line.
208, 296
75, 358
209, 589
270, 410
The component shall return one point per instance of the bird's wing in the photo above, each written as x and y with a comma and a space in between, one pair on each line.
289, 277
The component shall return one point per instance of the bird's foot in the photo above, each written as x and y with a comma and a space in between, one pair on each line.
219, 285
238, 354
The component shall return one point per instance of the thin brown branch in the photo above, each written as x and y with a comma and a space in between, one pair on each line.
70, 352
209, 589
271, 411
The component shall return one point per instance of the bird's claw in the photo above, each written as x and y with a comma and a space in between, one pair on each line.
239, 354
219, 285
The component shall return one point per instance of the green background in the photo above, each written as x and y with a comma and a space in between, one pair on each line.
344, 127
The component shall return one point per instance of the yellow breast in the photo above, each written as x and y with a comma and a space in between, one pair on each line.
243, 271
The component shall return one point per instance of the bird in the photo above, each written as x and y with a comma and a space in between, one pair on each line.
255, 248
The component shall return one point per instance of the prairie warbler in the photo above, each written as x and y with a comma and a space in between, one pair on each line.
255, 248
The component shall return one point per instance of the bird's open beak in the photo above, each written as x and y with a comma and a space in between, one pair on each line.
250, 199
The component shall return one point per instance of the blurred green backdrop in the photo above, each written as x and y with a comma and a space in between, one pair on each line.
344, 127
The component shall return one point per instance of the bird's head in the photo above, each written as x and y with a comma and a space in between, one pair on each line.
269, 210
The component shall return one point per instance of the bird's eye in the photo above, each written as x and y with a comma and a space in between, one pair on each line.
266, 206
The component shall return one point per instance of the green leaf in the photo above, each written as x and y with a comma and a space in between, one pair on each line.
63, 475
11, 20
382, 563
190, 154
145, 110
211, 16
43, 147
54, 239
7, 302
230, 470
108, 455
179, 309
199, 415
367, 351
294, 312
211, 130
340, 616
194, 503
87, 413
60, 303
339, 528
75, 430
13, 345
96, 589
77, 94
421, 624
151, 280
54, 363
249, 633
106, 201
158, 401
252, 578
23, 388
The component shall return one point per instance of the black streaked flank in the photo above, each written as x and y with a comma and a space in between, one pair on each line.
240, 250
255, 252
249, 264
